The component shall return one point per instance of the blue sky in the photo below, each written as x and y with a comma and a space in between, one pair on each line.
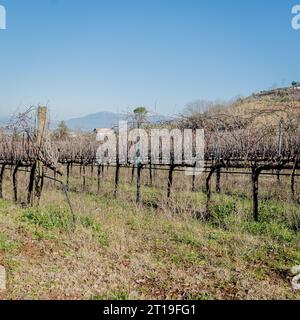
81, 57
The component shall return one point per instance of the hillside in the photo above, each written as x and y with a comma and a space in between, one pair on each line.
277, 99
266, 110
119, 250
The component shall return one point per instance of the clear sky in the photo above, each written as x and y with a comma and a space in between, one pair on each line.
81, 57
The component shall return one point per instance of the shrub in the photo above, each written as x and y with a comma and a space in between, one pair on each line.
221, 211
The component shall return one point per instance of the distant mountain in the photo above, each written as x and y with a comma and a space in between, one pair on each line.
103, 120
96, 120
92, 121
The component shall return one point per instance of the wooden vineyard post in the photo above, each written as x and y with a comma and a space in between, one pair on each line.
150, 175
39, 170
83, 177
15, 181
218, 179
31, 184
117, 172
98, 177
208, 193
218, 169
68, 173
138, 183
1, 180
117, 175
255, 178
194, 179
170, 180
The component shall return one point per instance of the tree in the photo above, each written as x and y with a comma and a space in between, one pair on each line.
295, 84
62, 131
140, 116
199, 107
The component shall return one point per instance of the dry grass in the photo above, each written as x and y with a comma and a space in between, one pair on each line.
158, 250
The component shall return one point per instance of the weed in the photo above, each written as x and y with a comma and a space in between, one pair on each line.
6, 244
117, 295
101, 236
50, 218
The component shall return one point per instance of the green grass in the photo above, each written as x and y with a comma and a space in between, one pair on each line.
102, 237
6, 244
2, 204
49, 218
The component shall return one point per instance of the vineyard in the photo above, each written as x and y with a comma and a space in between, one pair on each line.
251, 165
264, 143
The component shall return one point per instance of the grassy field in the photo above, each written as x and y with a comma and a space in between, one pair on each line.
119, 250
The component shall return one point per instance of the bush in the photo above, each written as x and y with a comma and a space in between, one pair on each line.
221, 211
